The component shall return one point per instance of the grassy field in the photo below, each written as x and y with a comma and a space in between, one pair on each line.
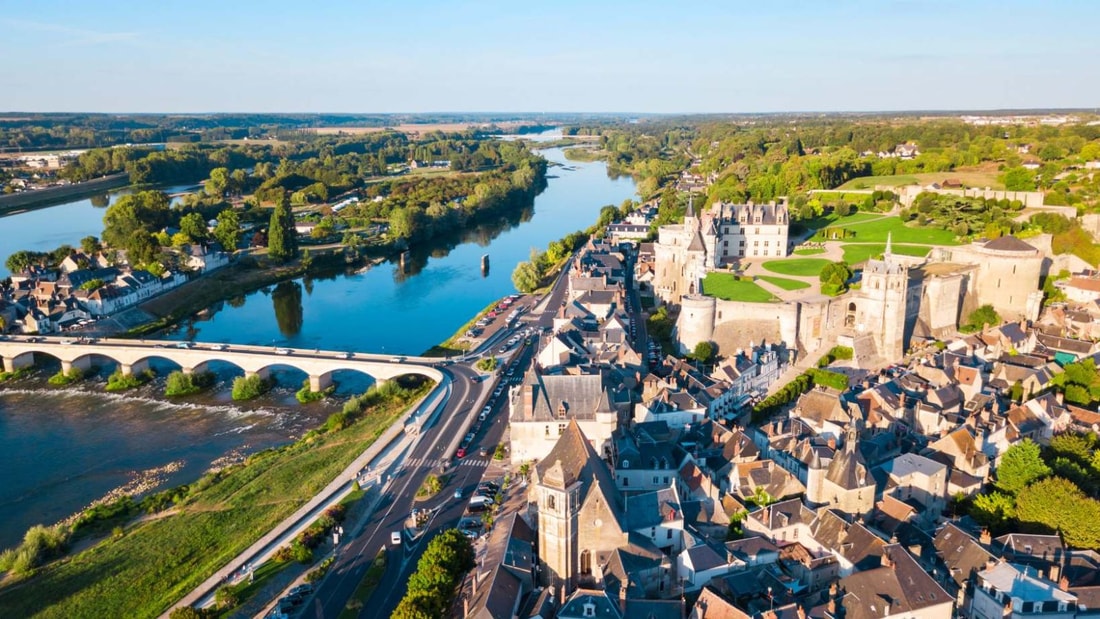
155, 563
784, 283
854, 254
804, 267
969, 178
813, 251
727, 286
876, 230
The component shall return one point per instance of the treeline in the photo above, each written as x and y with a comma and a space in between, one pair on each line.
775, 157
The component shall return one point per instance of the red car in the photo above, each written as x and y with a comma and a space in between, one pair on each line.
461, 453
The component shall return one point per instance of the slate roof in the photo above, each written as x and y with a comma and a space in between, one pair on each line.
1009, 243
960, 552
572, 460
711, 605
904, 588
544, 396
851, 540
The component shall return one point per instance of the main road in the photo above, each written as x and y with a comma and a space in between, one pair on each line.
356, 555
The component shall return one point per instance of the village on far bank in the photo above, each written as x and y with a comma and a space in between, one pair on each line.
748, 417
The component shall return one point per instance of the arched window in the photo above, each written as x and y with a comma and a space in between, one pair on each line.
586, 562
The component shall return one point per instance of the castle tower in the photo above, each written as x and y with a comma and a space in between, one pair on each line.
882, 305
557, 526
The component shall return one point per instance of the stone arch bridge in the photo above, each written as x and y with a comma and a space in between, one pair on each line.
134, 356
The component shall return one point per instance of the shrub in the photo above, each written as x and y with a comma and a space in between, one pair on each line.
183, 383
118, 381
306, 395
488, 364
826, 378
63, 378
249, 387
319, 573
979, 318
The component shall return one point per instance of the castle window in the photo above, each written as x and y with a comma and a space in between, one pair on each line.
586, 568
625, 464
1013, 269
561, 429
547, 430
551, 502
656, 480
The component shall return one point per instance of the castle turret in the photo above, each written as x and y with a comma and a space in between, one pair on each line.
696, 321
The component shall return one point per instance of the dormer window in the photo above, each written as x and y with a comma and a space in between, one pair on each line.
589, 609
562, 409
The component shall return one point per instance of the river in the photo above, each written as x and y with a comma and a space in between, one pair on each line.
61, 449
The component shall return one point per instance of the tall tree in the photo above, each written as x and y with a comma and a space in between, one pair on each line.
194, 226
228, 230
282, 241
1021, 465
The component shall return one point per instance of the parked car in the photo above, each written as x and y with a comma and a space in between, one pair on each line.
483, 452
282, 351
461, 453
485, 413
458, 493
395, 538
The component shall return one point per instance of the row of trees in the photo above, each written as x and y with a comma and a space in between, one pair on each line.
431, 588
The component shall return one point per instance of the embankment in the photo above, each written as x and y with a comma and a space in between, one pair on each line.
62, 193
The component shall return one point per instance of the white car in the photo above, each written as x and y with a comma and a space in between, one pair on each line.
395, 538
282, 351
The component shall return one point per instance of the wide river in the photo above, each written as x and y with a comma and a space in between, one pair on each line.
62, 449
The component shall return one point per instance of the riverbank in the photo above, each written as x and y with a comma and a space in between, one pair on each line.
49, 196
150, 566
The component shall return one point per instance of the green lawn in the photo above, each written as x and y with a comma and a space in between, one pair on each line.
784, 283
804, 267
854, 254
726, 286
813, 251
876, 231
155, 563
971, 178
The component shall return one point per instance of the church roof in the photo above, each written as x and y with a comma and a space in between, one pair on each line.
548, 396
696, 242
573, 460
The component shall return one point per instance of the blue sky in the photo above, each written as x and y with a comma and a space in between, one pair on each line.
369, 56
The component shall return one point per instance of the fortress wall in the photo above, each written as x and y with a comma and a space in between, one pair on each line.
909, 193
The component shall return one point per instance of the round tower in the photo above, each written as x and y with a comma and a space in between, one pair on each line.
696, 321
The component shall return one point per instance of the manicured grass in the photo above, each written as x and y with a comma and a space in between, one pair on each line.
726, 286
813, 251
854, 254
877, 230
155, 563
803, 267
784, 283
969, 178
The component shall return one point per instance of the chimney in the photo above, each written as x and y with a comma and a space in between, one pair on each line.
985, 538
886, 560
832, 442
622, 598
1059, 397
800, 612
1055, 574
1063, 583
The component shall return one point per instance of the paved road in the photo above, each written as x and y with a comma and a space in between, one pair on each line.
356, 555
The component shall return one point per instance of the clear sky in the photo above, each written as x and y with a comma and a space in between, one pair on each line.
560, 55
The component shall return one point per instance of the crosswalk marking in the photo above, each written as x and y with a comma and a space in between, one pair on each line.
434, 462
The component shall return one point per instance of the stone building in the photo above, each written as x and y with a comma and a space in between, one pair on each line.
899, 298
544, 406
721, 235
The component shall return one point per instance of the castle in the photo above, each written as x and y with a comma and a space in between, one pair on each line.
898, 297
723, 234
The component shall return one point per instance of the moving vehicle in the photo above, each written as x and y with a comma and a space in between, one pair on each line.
395, 538
483, 452
458, 493
461, 453
282, 351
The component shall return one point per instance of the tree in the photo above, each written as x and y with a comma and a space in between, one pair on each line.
834, 278
228, 230
89, 245
1018, 179
1021, 465
194, 226
979, 318
218, 182
145, 211
703, 352
282, 241
526, 277
993, 510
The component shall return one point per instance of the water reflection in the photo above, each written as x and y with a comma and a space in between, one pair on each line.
287, 299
